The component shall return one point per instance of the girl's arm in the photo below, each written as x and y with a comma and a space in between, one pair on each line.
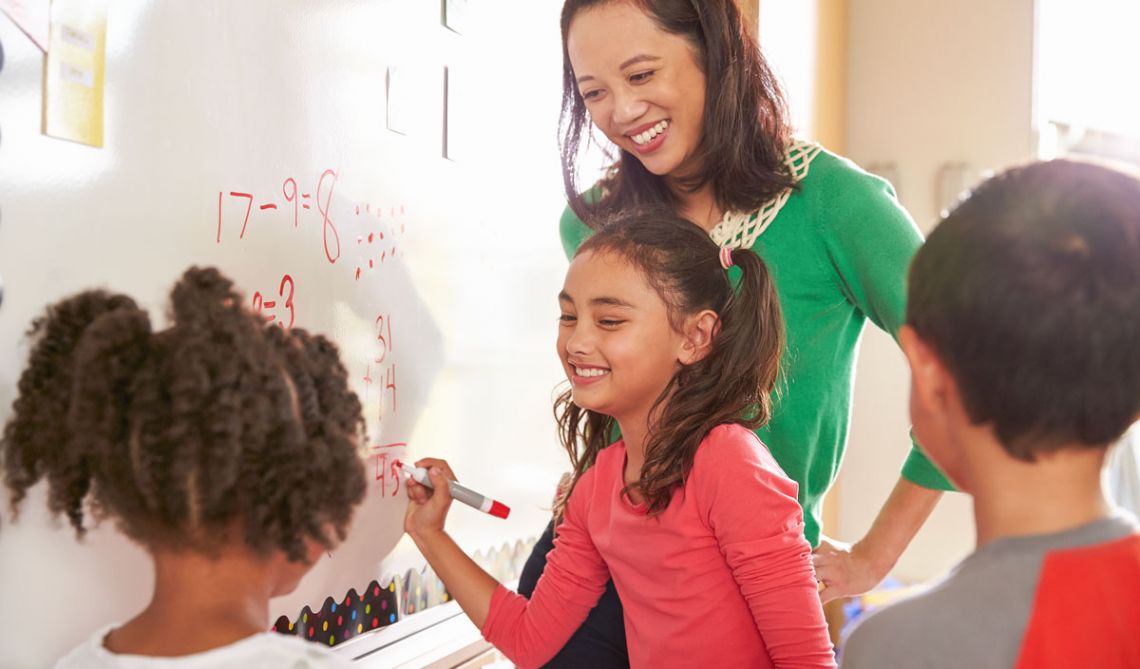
751, 507
466, 581
528, 632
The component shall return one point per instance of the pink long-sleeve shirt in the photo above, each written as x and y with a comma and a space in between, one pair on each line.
722, 578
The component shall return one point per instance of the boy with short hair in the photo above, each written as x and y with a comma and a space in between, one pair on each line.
1023, 338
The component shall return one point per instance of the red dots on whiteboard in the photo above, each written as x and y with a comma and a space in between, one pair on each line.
372, 251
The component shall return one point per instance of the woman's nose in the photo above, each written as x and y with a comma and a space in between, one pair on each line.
628, 106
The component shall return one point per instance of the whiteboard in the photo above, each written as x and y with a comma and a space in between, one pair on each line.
254, 136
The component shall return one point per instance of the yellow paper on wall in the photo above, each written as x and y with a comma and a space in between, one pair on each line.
73, 87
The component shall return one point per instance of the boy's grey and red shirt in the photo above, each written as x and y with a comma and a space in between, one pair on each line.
1032, 601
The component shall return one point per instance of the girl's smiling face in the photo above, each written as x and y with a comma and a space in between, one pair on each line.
615, 339
642, 86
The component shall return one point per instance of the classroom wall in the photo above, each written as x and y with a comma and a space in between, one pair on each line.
928, 83
211, 105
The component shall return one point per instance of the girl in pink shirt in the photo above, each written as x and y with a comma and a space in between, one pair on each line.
688, 512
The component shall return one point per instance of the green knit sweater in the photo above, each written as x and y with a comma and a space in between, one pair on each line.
838, 251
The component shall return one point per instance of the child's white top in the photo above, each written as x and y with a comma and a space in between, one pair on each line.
261, 651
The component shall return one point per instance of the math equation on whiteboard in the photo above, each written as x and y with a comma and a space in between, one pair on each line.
373, 231
357, 236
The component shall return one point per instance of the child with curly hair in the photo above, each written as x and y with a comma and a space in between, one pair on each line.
228, 449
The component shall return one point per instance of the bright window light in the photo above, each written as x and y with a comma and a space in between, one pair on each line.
1088, 57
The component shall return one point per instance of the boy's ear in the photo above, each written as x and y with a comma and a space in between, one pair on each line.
930, 378
700, 329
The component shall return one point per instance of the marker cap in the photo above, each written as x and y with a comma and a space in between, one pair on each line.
499, 510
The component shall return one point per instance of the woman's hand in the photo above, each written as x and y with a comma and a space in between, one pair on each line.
852, 569
845, 570
427, 508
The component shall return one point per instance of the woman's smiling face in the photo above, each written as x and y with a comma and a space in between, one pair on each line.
642, 86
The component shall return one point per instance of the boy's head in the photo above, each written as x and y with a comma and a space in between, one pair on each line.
1023, 314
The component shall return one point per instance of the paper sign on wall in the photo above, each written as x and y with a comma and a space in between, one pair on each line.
73, 90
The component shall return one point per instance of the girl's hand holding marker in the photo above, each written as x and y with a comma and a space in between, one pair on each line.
429, 510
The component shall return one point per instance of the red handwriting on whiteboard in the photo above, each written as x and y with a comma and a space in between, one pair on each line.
379, 230
328, 224
383, 337
367, 381
388, 388
326, 184
385, 379
387, 471
245, 220
289, 190
386, 397
384, 346
279, 309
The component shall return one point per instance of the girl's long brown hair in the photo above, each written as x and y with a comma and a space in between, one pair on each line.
732, 384
745, 130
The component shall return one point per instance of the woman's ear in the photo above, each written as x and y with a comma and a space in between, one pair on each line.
700, 330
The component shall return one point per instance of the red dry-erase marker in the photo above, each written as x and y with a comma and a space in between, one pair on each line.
458, 492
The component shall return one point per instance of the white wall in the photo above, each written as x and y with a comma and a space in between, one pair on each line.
206, 98
788, 37
928, 83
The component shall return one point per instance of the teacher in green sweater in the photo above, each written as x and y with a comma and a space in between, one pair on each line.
698, 123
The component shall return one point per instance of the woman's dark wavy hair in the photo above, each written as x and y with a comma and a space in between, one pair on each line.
745, 130
732, 384
215, 426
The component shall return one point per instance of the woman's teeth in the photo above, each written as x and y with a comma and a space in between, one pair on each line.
590, 372
648, 135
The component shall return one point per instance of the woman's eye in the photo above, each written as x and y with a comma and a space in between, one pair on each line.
610, 322
591, 95
641, 77
567, 318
